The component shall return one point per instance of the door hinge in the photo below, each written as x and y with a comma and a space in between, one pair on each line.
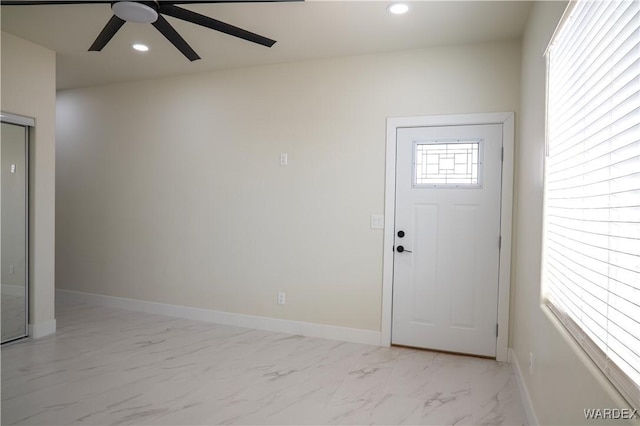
502, 155
500, 242
497, 330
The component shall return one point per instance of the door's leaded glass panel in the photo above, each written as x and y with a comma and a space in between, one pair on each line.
447, 163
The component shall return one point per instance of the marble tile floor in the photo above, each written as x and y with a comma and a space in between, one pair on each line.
117, 367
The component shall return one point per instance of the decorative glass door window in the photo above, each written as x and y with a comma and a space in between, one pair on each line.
447, 163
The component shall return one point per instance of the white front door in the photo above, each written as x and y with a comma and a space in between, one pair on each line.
447, 231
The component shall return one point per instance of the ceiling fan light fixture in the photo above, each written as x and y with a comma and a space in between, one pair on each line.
398, 8
131, 11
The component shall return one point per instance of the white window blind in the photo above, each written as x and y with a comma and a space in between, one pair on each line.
592, 190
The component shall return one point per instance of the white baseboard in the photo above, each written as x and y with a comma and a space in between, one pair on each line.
42, 329
354, 335
532, 419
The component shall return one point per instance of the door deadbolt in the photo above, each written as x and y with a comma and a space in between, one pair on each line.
400, 234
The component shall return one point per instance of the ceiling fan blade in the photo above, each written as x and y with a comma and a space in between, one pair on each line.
214, 24
107, 33
50, 2
176, 39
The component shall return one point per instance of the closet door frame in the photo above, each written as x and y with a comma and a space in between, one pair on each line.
29, 124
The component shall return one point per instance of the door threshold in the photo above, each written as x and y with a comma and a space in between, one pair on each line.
443, 352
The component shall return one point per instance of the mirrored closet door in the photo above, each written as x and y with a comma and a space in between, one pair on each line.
14, 230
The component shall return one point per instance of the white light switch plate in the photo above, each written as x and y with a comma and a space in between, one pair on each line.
377, 221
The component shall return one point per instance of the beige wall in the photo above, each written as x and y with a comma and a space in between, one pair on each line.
563, 382
171, 190
28, 88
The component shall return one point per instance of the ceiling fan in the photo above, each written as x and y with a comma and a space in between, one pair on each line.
151, 12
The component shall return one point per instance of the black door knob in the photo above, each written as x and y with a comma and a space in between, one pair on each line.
400, 234
401, 249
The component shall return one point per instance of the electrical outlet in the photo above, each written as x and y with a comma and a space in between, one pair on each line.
530, 363
282, 298
284, 159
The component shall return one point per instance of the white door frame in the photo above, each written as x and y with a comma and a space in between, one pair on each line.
504, 280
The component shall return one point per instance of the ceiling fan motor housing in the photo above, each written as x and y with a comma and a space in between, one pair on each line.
133, 11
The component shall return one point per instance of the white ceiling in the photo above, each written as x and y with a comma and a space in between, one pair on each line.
304, 30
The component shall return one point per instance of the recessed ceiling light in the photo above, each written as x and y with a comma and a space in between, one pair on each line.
397, 8
140, 47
